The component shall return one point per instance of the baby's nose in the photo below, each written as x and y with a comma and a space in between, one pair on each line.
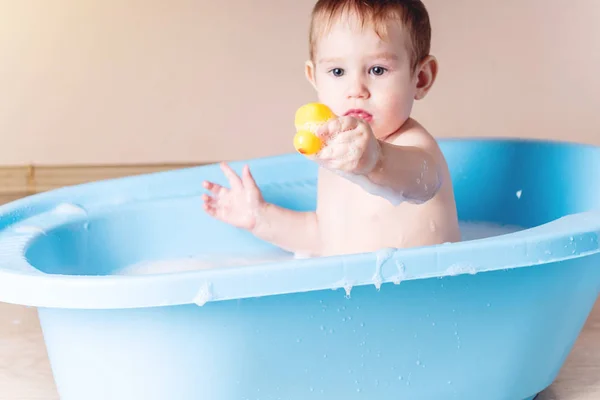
358, 90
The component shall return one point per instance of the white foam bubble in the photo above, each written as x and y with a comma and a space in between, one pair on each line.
401, 273
69, 209
458, 269
381, 257
301, 256
198, 263
347, 289
29, 230
479, 229
204, 295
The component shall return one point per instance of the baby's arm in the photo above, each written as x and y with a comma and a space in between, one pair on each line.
294, 231
408, 167
243, 206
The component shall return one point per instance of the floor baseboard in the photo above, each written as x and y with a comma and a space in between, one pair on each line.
21, 181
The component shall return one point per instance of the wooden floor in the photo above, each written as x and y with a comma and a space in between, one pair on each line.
25, 371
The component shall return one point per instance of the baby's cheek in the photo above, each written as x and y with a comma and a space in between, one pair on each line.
394, 112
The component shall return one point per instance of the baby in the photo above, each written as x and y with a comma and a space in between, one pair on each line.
383, 181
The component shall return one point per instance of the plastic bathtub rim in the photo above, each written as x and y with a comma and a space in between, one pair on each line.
565, 238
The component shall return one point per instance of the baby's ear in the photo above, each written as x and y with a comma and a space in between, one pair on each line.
426, 73
309, 71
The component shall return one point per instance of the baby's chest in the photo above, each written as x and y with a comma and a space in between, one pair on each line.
343, 201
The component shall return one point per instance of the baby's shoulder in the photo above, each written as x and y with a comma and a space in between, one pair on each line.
414, 134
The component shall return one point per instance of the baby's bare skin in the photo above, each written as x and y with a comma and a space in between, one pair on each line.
352, 220
348, 218
383, 181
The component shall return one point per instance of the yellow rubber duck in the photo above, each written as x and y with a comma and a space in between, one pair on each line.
308, 119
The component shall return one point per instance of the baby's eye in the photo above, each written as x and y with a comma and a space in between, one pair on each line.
377, 70
337, 72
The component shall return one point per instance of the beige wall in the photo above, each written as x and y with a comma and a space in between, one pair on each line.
144, 81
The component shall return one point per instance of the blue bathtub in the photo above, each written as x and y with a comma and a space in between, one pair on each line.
492, 317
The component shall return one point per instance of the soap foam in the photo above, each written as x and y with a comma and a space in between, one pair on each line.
469, 231
482, 230
382, 256
69, 209
175, 265
204, 295
29, 230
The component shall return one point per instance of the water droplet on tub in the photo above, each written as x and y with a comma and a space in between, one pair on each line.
432, 226
418, 362
519, 193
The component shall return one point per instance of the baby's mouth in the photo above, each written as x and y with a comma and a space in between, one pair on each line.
358, 113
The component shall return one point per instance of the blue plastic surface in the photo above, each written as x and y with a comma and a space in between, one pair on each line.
490, 318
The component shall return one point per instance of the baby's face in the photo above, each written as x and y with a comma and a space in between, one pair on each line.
358, 73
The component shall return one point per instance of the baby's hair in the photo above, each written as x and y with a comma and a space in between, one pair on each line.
411, 13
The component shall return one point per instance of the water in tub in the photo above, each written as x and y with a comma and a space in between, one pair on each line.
469, 231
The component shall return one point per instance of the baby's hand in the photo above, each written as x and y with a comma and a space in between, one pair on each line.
348, 146
238, 205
